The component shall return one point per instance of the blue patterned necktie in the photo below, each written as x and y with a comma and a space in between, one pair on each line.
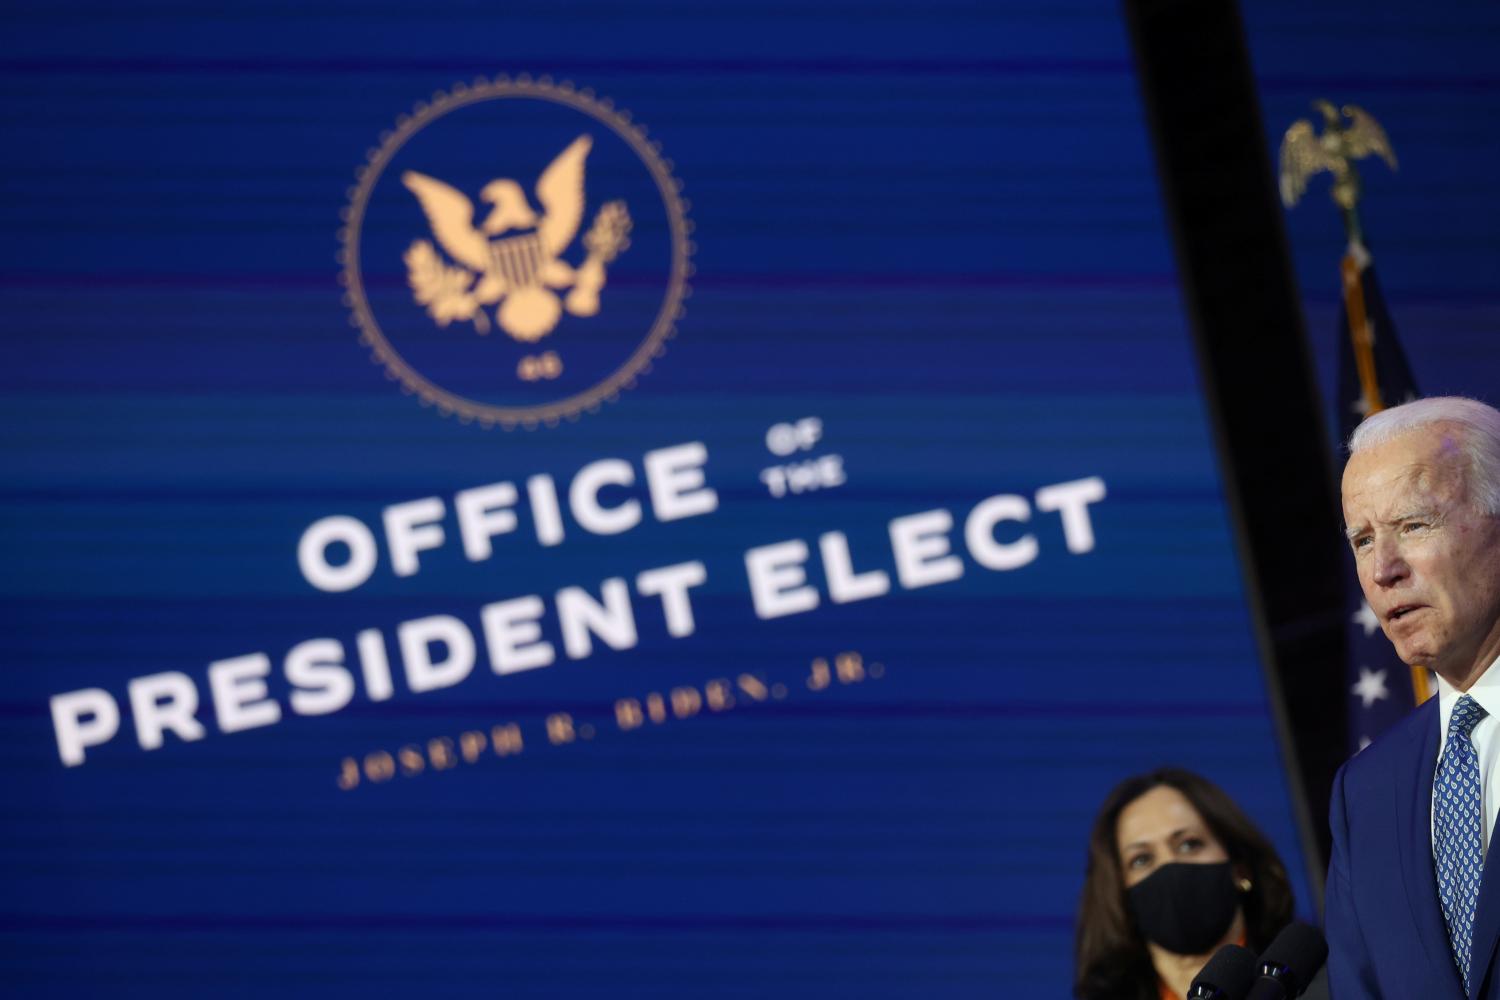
1458, 831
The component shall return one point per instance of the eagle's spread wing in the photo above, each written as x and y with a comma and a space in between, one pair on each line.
1301, 157
1365, 136
452, 218
560, 190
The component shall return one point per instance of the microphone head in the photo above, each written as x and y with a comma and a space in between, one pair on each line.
1295, 957
1227, 976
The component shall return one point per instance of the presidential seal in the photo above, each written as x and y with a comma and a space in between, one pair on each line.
515, 252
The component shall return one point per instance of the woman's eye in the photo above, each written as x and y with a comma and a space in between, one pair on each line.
1190, 845
1139, 861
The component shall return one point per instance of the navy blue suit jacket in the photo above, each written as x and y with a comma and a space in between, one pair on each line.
1386, 936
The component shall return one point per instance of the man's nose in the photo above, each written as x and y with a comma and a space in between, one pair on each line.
1390, 567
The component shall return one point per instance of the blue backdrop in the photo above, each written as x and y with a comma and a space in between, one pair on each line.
918, 255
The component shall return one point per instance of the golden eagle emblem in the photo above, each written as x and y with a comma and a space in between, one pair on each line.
1304, 153
513, 259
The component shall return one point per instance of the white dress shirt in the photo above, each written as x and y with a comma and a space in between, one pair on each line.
1486, 737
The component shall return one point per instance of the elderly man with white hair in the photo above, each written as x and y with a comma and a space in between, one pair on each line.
1413, 909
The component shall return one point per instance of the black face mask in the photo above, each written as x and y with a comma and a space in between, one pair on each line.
1185, 908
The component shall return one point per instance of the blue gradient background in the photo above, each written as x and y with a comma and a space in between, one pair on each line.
936, 229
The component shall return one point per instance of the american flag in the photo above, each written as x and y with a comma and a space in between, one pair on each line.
1373, 374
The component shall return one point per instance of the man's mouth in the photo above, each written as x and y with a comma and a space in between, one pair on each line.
1401, 611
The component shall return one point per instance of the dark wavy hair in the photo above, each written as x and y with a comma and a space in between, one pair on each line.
1111, 960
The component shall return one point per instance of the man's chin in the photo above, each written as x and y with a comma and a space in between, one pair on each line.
1413, 652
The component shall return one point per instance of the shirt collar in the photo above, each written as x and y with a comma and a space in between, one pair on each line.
1486, 691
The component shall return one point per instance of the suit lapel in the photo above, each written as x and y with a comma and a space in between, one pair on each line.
1486, 921
1413, 788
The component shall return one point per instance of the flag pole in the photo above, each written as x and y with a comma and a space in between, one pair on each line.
1359, 327
1362, 339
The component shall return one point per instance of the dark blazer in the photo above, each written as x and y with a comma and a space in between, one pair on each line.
1386, 936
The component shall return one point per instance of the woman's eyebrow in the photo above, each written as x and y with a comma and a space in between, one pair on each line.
1180, 831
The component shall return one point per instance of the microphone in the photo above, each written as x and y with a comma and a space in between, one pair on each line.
1290, 963
1227, 976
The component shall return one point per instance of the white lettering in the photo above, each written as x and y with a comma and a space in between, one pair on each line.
374, 663
416, 639
312, 553
86, 718
920, 544
239, 693
844, 585
979, 533
1072, 499
677, 484
583, 497
315, 668
483, 513
672, 583
579, 614
778, 581
546, 516
410, 528
162, 702
513, 637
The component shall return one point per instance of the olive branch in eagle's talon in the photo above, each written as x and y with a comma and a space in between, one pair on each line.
445, 291
606, 239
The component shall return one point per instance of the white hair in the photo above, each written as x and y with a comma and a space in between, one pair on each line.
1479, 439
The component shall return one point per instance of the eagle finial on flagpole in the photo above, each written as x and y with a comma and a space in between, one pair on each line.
1304, 153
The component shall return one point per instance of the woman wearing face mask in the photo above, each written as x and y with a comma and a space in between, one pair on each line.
1175, 871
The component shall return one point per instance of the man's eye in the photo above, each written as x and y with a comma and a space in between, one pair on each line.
1362, 542
1413, 526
